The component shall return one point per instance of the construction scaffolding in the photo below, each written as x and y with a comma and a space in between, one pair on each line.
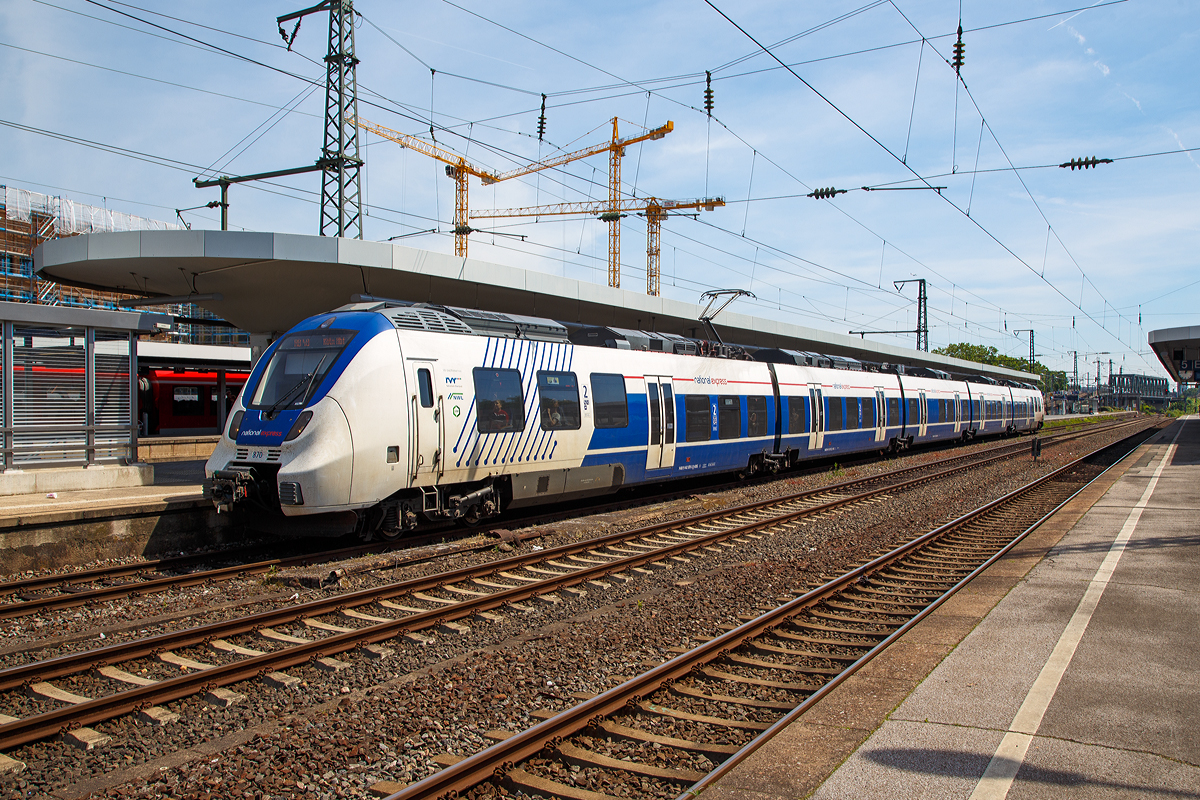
29, 218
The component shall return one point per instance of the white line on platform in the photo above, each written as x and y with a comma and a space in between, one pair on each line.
1010, 755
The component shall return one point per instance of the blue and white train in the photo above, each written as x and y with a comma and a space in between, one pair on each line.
379, 416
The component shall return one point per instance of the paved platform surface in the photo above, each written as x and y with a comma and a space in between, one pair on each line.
1068, 669
176, 482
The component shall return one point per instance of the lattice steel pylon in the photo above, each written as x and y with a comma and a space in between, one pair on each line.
341, 195
922, 312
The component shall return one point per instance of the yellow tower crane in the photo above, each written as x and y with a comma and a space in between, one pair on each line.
656, 211
459, 169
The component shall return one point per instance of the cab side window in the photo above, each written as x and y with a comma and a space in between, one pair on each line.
425, 388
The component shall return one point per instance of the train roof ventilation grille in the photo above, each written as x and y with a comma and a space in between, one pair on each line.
426, 319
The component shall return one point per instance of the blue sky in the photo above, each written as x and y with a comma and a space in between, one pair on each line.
1089, 259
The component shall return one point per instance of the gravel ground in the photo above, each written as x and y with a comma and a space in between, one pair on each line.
336, 734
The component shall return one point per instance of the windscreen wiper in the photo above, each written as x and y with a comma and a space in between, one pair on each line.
286, 397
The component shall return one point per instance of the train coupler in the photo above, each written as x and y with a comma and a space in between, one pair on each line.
228, 486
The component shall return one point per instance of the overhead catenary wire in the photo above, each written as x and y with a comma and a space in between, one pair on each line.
753, 157
891, 153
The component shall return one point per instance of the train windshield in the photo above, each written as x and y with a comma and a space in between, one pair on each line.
298, 367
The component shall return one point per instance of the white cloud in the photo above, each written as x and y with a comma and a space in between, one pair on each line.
1182, 146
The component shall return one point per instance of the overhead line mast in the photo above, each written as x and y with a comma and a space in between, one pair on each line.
341, 196
339, 164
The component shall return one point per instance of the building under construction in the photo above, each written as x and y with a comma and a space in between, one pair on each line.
29, 218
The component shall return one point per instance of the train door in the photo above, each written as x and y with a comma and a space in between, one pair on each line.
816, 431
660, 398
923, 416
425, 414
957, 413
880, 414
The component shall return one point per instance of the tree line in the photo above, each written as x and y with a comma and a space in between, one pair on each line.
1051, 380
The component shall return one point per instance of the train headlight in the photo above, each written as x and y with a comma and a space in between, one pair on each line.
301, 423
236, 425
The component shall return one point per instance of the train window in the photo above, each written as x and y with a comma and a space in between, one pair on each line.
612, 406
729, 417
697, 418
893, 411
425, 387
796, 416
833, 417
655, 413
756, 416
868, 412
559, 393
297, 368
186, 402
914, 412
499, 400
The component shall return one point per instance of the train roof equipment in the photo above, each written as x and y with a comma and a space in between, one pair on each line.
450, 319
627, 339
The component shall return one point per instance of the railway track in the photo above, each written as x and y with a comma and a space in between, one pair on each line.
210, 658
71, 590
678, 727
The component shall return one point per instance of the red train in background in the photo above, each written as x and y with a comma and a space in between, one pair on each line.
183, 402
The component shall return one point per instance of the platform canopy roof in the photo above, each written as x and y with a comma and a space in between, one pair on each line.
1179, 351
264, 283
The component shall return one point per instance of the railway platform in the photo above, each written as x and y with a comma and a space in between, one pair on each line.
1068, 669
55, 529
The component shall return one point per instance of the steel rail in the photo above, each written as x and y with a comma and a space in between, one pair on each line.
158, 585
40, 726
494, 761
155, 585
72, 663
741, 755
